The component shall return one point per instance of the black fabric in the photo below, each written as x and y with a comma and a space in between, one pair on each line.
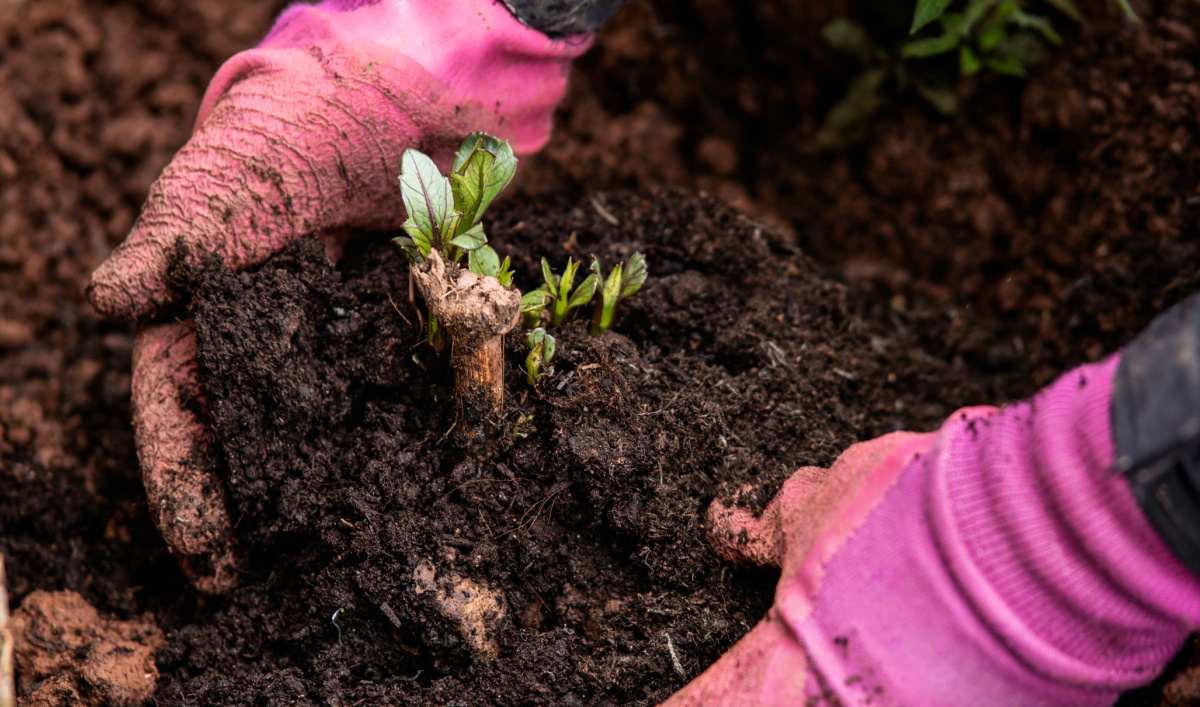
1156, 425
561, 18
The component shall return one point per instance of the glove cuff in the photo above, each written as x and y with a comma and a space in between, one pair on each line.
1156, 426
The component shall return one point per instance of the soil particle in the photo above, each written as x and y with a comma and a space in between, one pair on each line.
68, 654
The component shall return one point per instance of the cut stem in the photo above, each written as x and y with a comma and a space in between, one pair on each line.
475, 312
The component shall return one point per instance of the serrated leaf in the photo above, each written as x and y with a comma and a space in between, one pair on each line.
549, 277
634, 275
1068, 8
933, 46
484, 261
534, 301
472, 239
849, 37
927, 11
427, 197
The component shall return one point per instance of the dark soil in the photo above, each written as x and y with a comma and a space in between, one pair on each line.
737, 363
1045, 225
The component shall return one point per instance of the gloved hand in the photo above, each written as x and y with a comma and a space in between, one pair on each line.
1001, 560
303, 137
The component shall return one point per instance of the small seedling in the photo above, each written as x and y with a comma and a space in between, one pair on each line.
948, 43
476, 306
541, 354
559, 294
622, 282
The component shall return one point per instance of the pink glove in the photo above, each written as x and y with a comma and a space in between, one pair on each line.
998, 561
303, 136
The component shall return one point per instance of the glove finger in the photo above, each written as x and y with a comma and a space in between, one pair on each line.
766, 667
274, 159
182, 489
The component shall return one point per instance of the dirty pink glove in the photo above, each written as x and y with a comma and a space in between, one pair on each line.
997, 561
303, 137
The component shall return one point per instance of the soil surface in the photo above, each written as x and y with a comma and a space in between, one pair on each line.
1046, 224
584, 508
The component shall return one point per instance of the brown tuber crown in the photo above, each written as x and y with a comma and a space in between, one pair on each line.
475, 311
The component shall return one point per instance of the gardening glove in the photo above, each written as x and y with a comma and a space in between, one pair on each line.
1044, 553
303, 136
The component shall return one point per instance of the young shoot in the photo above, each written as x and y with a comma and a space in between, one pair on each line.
541, 353
559, 295
622, 282
476, 306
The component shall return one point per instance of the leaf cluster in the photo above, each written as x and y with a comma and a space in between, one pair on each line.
446, 213
949, 43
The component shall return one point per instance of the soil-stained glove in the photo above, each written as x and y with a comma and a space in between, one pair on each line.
303, 136
1002, 560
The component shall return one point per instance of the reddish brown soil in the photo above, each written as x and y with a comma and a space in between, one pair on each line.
1046, 224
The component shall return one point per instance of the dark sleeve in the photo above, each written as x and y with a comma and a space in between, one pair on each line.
1156, 425
560, 18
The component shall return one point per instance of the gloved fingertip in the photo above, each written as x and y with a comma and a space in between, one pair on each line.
737, 535
131, 283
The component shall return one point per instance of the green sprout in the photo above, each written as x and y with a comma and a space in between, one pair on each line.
446, 213
622, 282
541, 353
559, 295
948, 43
474, 308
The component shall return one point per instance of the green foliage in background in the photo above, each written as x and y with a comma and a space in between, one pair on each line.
949, 43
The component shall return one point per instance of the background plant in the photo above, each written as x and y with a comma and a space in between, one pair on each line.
623, 281
541, 353
949, 43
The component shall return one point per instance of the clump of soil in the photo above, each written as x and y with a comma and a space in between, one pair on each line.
583, 517
68, 654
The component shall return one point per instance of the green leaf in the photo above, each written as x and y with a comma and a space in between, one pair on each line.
1008, 66
1068, 8
927, 11
846, 121
612, 286
483, 167
921, 48
427, 198
584, 293
535, 337
534, 301
549, 277
634, 275
943, 99
568, 278
849, 37
1038, 24
549, 346
968, 61
473, 239
419, 238
1127, 10
484, 261
976, 11
505, 276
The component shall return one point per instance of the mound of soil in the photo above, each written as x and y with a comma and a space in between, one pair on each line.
1046, 224
583, 512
